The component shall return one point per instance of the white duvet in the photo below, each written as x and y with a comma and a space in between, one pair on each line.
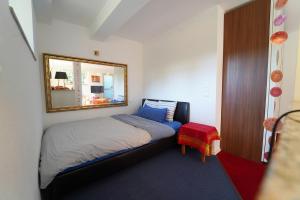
70, 144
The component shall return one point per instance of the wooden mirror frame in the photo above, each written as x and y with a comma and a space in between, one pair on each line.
48, 90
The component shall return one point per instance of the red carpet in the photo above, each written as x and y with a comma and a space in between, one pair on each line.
246, 175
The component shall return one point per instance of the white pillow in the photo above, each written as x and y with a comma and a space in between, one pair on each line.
152, 104
171, 106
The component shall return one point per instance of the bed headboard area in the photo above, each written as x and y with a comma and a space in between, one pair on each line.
182, 112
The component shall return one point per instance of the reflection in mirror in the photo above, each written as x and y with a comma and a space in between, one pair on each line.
80, 84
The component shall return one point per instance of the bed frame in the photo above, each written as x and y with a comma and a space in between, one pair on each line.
68, 181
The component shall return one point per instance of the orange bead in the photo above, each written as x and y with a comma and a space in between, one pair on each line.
276, 76
279, 37
280, 4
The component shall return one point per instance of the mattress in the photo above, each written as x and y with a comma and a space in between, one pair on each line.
73, 144
174, 125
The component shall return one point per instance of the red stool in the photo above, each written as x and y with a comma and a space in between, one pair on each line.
198, 136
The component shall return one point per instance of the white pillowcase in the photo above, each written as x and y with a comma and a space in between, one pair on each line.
152, 104
171, 107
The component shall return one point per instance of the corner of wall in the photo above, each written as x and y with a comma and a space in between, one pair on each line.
220, 41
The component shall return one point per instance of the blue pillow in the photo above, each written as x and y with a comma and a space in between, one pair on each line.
174, 124
155, 114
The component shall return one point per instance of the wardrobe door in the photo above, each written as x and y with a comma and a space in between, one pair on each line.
246, 43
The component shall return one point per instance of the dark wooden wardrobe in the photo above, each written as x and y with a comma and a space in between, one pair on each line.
245, 66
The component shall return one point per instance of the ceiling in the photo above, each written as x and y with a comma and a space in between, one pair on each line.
81, 12
160, 15
137, 20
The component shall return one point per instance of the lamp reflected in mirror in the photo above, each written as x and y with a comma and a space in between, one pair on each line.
61, 76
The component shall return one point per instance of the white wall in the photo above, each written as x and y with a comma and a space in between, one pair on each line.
20, 114
297, 82
184, 64
72, 40
220, 44
289, 71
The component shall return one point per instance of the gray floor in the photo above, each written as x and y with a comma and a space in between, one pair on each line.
167, 176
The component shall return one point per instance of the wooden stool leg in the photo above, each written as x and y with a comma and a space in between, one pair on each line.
183, 149
203, 157
206, 153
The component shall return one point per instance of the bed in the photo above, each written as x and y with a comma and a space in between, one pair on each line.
138, 147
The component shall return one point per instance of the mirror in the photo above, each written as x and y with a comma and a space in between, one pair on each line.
77, 83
